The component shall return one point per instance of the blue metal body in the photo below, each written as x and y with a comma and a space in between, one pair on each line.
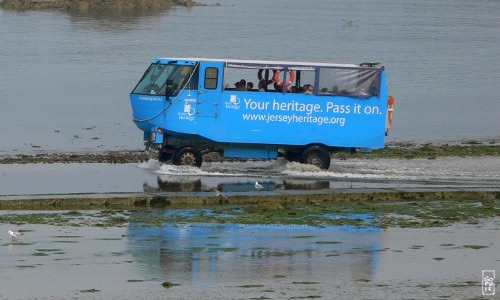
230, 119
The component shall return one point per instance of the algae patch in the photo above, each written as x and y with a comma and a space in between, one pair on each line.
90, 291
411, 213
475, 247
168, 284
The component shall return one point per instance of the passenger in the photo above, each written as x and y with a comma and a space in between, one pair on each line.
308, 89
241, 85
262, 85
280, 88
277, 87
249, 86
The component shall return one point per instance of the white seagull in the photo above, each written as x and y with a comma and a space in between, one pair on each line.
14, 234
258, 186
219, 194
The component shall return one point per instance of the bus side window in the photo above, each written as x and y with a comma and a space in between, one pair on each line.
211, 75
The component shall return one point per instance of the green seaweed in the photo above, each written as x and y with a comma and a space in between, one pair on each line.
168, 284
328, 242
426, 151
90, 291
475, 247
411, 213
303, 236
223, 249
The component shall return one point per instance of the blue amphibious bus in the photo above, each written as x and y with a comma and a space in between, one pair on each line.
302, 111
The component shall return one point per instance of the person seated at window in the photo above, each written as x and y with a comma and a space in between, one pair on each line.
249, 86
308, 89
279, 88
335, 89
262, 85
241, 85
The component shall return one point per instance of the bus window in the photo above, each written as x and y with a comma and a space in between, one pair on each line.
236, 75
211, 75
166, 80
150, 83
352, 82
193, 82
305, 79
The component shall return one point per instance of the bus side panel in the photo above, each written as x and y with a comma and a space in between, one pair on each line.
283, 119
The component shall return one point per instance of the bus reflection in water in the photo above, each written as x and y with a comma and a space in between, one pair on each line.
211, 254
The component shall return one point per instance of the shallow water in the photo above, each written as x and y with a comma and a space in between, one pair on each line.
240, 177
235, 261
65, 78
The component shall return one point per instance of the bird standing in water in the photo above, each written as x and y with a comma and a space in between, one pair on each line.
220, 194
258, 186
14, 234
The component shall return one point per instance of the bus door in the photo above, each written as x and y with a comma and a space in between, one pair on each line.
209, 89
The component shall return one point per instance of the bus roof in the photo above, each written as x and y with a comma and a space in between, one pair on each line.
263, 63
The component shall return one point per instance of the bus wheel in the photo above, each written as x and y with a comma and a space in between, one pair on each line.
187, 156
316, 155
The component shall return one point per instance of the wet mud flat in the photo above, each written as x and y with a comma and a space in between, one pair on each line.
391, 250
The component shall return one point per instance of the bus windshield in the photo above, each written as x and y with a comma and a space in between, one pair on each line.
167, 80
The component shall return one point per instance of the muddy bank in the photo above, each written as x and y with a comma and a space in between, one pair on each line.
114, 157
261, 202
88, 5
395, 150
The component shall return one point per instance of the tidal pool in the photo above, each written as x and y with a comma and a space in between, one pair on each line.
93, 257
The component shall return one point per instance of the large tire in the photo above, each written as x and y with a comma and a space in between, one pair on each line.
187, 156
317, 156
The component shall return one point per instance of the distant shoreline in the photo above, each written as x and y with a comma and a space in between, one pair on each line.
90, 5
